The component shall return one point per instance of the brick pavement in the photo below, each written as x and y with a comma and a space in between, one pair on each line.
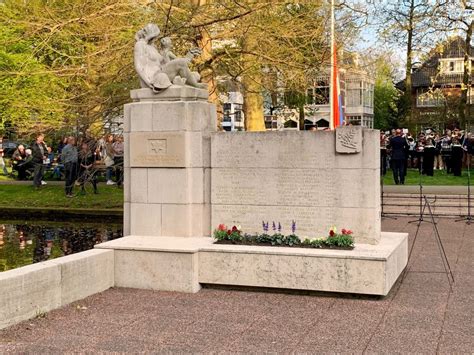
419, 315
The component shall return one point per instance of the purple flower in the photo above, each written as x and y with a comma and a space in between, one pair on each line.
265, 227
293, 227
274, 227
279, 227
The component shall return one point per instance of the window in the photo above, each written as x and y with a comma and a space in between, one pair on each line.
354, 93
452, 66
354, 120
321, 93
238, 116
368, 95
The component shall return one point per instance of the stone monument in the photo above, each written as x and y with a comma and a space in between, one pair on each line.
182, 178
318, 179
167, 145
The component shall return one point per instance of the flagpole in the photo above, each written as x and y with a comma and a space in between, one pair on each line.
331, 85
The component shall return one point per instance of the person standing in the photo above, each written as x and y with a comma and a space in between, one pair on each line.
69, 158
109, 158
420, 152
118, 159
438, 163
2, 162
429, 157
446, 150
411, 151
383, 153
399, 147
456, 156
39, 153
469, 144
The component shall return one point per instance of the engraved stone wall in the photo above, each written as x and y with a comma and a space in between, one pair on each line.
285, 176
167, 163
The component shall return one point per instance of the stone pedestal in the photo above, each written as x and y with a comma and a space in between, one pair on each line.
167, 163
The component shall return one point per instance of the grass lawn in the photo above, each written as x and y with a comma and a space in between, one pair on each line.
54, 197
440, 178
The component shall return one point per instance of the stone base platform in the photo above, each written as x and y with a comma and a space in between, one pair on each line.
182, 264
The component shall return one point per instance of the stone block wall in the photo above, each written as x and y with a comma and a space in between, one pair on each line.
296, 175
167, 163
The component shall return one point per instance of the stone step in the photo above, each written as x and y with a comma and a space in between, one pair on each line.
441, 205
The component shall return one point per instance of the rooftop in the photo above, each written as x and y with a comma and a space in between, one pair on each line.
428, 73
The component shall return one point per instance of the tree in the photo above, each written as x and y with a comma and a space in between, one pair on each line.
79, 52
252, 38
459, 15
77, 61
30, 93
409, 23
385, 95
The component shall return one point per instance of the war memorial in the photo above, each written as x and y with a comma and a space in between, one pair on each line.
183, 179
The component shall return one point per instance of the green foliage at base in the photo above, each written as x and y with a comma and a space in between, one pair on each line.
440, 178
234, 236
338, 240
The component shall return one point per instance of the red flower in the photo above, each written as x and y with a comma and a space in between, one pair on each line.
222, 227
234, 229
348, 232
331, 233
229, 232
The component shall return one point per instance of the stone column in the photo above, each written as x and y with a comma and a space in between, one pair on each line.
167, 162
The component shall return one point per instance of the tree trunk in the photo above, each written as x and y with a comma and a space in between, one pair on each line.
408, 82
463, 103
252, 82
253, 102
207, 73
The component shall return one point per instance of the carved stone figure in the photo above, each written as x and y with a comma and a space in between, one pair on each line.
159, 69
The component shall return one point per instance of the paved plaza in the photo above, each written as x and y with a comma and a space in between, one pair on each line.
419, 315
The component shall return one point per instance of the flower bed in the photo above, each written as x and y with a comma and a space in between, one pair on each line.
334, 240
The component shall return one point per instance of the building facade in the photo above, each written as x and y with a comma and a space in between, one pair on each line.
357, 90
437, 83
233, 118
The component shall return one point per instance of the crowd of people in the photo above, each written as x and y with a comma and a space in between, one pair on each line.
79, 160
450, 150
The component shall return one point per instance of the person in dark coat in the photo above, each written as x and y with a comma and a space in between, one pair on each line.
39, 153
399, 147
456, 157
69, 157
383, 153
446, 151
429, 157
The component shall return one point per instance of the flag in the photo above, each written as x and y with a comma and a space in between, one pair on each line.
336, 99
337, 112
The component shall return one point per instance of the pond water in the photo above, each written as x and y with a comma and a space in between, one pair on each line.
23, 243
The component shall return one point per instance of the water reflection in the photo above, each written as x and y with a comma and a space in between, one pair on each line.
26, 243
